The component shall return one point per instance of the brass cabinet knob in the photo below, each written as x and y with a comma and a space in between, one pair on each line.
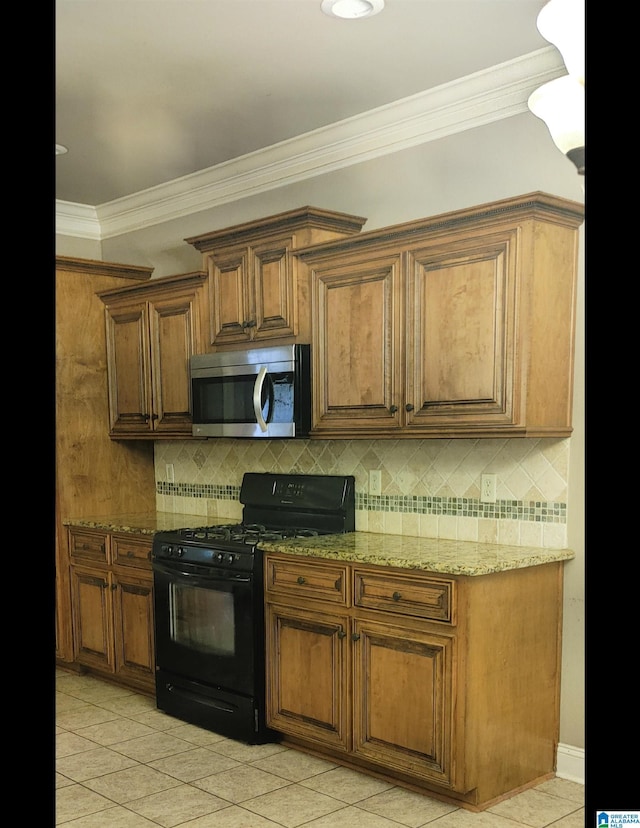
396, 596
300, 579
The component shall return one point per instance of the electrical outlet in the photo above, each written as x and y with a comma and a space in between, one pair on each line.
488, 488
169, 472
375, 482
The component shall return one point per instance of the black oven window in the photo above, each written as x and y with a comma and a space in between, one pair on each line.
230, 399
202, 619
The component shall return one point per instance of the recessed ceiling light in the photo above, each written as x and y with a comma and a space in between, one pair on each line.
352, 9
60, 150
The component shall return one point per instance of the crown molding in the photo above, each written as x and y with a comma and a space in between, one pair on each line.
79, 220
499, 92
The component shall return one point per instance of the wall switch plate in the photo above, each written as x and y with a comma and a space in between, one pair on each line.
375, 482
488, 488
169, 472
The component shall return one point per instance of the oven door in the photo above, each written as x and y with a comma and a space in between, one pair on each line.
206, 625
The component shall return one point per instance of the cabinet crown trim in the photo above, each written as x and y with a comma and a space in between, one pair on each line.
303, 217
180, 280
98, 268
536, 205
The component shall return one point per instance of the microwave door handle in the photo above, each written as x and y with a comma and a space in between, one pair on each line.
257, 396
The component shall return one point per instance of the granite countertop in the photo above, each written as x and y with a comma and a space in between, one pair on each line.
450, 557
147, 523
428, 554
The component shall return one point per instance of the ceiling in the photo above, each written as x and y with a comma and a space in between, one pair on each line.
149, 91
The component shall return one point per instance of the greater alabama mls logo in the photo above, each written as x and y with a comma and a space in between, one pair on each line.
616, 819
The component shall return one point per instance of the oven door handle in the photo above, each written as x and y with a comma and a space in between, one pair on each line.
197, 576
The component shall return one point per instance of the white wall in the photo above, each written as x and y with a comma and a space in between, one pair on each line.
499, 160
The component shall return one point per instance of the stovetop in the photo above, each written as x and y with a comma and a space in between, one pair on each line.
249, 533
275, 507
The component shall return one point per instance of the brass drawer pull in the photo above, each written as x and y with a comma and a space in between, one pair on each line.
338, 584
355, 636
342, 634
396, 596
300, 579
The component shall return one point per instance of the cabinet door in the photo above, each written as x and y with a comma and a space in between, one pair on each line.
174, 331
357, 355
133, 629
461, 334
252, 292
307, 678
92, 617
273, 290
129, 369
403, 698
229, 310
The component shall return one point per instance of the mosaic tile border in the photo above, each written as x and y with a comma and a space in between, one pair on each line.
536, 511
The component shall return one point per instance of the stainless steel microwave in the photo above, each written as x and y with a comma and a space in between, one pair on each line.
260, 392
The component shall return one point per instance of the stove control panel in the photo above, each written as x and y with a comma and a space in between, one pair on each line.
170, 549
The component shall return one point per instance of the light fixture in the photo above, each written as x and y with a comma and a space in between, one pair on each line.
560, 103
351, 9
60, 150
561, 22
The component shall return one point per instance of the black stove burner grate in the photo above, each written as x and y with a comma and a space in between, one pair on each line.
244, 533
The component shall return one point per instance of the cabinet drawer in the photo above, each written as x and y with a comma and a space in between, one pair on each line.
303, 578
131, 551
409, 594
87, 545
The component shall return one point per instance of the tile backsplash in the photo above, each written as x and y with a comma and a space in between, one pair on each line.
430, 488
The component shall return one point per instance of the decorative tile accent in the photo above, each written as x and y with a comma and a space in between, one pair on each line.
430, 484
406, 504
209, 491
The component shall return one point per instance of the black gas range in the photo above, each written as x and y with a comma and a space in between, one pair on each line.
209, 599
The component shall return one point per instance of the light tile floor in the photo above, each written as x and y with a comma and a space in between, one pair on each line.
121, 763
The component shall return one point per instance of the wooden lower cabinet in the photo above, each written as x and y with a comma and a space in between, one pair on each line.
112, 606
311, 700
446, 684
403, 682
92, 610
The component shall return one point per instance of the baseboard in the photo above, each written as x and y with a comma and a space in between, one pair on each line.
570, 763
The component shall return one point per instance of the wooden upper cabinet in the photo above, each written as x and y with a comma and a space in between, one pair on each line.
251, 293
257, 290
356, 343
462, 337
460, 325
151, 334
